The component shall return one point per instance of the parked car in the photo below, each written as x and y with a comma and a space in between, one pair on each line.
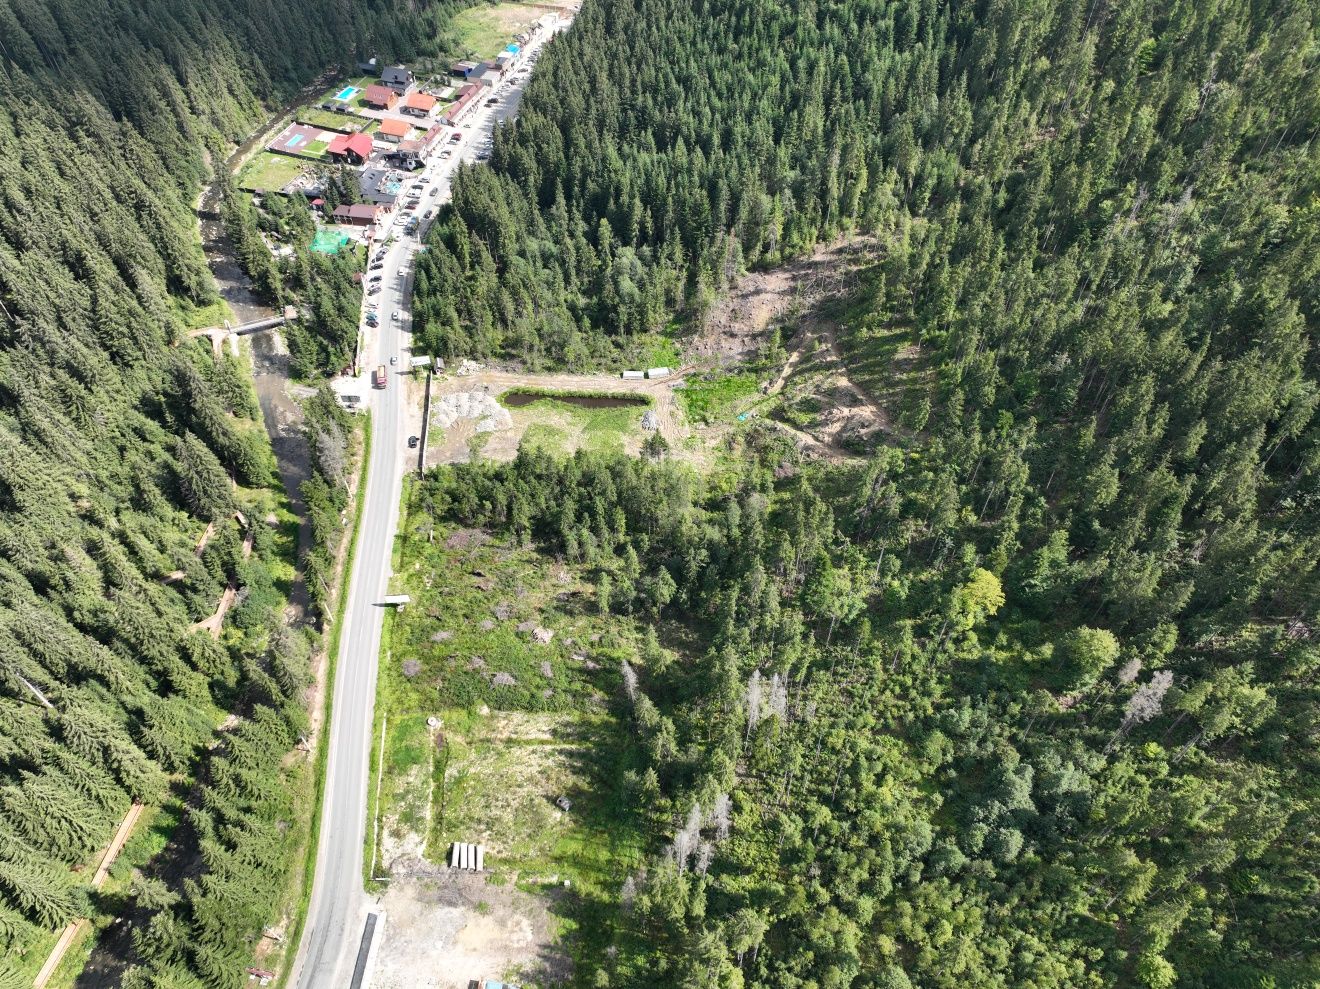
435, 189
444, 154
373, 290
430, 213
394, 360
376, 278
396, 315
377, 266
412, 442
455, 137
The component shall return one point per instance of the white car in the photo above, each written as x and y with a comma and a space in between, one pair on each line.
396, 315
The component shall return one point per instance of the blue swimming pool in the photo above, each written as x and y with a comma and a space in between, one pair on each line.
347, 93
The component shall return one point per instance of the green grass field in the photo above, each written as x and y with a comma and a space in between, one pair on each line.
560, 427
317, 147
717, 397
316, 117
550, 726
268, 172
199, 317
484, 31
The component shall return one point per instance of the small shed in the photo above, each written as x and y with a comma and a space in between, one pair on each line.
481, 858
633, 375
658, 372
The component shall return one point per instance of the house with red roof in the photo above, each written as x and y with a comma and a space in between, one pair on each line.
351, 149
467, 95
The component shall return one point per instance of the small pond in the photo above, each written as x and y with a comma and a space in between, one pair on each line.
518, 399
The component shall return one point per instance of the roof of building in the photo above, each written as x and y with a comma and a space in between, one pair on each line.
357, 211
376, 93
394, 71
359, 144
411, 146
393, 128
420, 101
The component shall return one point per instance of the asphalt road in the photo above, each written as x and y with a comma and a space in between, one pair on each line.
339, 904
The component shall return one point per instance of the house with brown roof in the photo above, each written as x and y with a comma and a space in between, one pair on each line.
467, 95
380, 97
357, 215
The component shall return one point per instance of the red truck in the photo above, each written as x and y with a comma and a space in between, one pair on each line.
380, 377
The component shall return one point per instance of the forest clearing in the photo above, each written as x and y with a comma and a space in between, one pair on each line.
735, 371
485, 728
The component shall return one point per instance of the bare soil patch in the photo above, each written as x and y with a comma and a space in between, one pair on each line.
737, 324
823, 407
442, 932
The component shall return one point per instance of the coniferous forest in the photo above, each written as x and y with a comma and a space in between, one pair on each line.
1032, 699
120, 441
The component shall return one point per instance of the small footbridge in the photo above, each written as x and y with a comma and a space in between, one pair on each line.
219, 334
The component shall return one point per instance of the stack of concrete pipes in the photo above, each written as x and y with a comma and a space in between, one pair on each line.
463, 855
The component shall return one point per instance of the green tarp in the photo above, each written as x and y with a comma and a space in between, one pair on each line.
329, 241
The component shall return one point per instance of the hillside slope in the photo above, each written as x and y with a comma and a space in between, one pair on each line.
1050, 658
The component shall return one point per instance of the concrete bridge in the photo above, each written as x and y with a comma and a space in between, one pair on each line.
219, 334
